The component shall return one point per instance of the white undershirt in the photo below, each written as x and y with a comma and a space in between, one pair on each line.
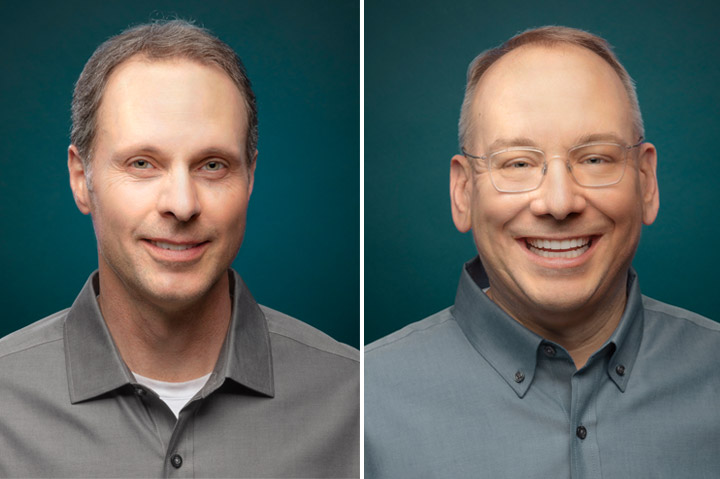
175, 395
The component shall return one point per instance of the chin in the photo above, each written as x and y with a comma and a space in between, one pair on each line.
177, 291
560, 301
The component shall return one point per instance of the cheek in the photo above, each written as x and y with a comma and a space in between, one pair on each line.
108, 214
227, 209
492, 212
123, 207
622, 206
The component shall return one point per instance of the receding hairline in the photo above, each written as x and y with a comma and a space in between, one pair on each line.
157, 41
550, 37
502, 63
143, 58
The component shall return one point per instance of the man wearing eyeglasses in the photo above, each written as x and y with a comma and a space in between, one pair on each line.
550, 363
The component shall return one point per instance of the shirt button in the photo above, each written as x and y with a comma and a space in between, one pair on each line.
581, 432
519, 377
176, 461
139, 391
549, 351
620, 370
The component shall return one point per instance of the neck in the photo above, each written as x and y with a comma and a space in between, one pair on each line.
172, 345
581, 332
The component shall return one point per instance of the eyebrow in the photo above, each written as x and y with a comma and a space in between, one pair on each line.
507, 142
525, 141
612, 137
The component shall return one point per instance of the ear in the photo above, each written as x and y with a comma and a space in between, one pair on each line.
78, 181
647, 175
461, 185
251, 173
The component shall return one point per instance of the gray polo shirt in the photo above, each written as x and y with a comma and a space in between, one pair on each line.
471, 393
282, 401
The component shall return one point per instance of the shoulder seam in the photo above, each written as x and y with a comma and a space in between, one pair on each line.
30, 347
313, 347
686, 318
408, 333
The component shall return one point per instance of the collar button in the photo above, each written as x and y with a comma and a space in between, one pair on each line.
620, 370
519, 377
549, 351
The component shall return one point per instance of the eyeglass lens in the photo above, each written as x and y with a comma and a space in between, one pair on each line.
521, 169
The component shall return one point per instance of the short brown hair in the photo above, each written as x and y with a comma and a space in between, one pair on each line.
162, 40
546, 36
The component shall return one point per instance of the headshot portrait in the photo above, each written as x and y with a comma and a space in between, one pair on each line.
181, 288
533, 177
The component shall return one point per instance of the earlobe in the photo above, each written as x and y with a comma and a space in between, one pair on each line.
461, 192
647, 169
78, 180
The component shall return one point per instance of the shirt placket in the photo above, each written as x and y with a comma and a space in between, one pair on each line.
179, 457
584, 450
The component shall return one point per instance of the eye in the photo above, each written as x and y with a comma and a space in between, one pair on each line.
141, 164
598, 160
213, 166
519, 164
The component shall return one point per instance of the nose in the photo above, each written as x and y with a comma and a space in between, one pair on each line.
178, 196
559, 195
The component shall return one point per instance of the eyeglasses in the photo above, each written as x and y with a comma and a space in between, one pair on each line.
518, 169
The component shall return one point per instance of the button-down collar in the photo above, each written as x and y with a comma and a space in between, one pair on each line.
511, 349
94, 365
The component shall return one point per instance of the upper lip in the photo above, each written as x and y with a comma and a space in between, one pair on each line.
175, 241
557, 237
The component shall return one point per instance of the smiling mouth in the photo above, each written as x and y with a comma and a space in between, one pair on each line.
175, 247
566, 248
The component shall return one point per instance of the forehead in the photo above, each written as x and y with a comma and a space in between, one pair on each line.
551, 94
168, 100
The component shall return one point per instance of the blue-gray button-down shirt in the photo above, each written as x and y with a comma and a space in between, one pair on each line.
282, 401
470, 392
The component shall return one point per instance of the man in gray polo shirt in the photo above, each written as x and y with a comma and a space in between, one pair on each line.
551, 363
165, 366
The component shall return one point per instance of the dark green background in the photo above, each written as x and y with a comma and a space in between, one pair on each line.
301, 249
416, 56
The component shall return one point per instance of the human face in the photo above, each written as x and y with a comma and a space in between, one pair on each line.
170, 183
554, 97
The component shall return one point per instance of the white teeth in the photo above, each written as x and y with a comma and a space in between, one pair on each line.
559, 245
174, 247
574, 253
568, 248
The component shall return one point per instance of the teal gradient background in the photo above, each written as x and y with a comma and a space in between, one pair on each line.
301, 249
416, 56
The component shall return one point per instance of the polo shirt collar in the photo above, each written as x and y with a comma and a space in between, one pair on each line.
95, 367
512, 349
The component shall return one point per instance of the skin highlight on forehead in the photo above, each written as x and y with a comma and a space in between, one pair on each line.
531, 103
144, 98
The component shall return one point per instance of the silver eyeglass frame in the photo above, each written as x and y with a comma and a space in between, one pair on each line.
487, 157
